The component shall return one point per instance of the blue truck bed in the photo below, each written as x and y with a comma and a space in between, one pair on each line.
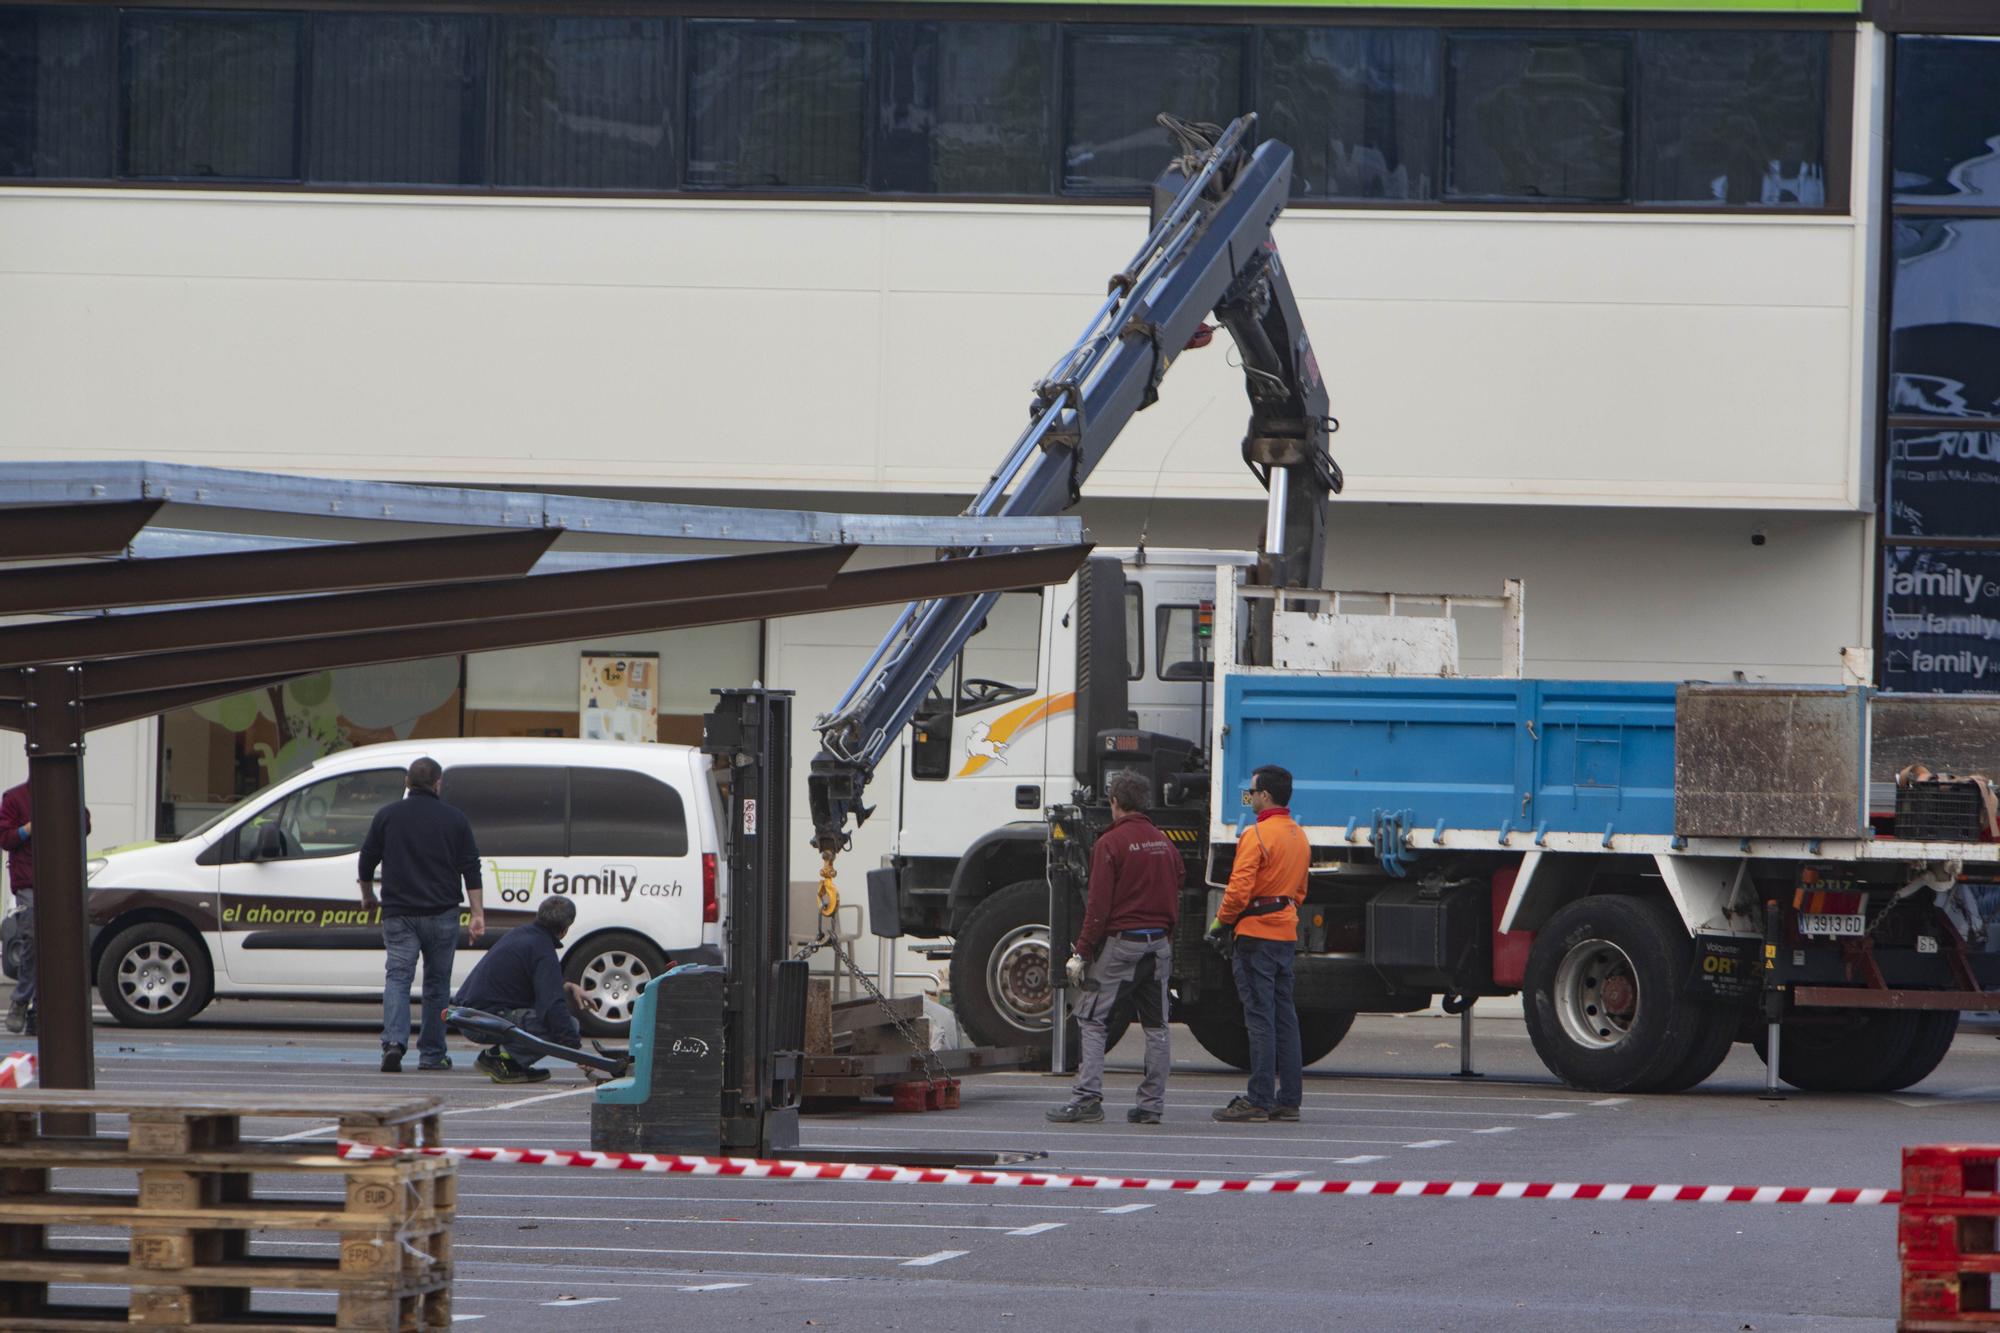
1573, 756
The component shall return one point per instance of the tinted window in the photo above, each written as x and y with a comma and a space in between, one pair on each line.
397, 100
1944, 482
586, 104
1537, 116
617, 813
1944, 344
1117, 85
325, 818
211, 95
55, 117
1359, 107
1947, 116
777, 105
965, 107
1135, 632
1732, 118
515, 811
1187, 648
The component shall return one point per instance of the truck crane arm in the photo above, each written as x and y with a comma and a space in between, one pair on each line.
1210, 251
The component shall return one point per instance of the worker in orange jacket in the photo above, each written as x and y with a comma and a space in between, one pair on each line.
1266, 885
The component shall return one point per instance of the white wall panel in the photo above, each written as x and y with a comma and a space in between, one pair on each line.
856, 347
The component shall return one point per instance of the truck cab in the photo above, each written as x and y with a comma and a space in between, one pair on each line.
996, 743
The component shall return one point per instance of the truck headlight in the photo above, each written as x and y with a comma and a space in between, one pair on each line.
92, 866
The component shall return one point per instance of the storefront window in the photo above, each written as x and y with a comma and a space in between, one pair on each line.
215, 753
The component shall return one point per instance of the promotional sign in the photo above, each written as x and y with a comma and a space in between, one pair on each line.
619, 697
1944, 482
1941, 621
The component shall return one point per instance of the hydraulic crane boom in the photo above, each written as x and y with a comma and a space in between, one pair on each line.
1210, 251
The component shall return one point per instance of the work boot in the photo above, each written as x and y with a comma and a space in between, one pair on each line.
1139, 1115
502, 1068
17, 1017
1289, 1114
392, 1059
1241, 1110
1081, 1111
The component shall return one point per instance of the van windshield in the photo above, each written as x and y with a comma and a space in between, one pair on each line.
216, 818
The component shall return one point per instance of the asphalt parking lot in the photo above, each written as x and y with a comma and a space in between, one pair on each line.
542, 1248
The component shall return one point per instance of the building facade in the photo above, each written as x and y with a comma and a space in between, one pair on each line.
1675, 312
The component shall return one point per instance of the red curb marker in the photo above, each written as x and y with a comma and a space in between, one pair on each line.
752, 1168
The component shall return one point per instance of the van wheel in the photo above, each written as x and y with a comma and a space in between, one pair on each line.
153, 975
1607, 999
1000, 974
612, 968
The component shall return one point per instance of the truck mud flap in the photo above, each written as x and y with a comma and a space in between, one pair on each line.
1726, 967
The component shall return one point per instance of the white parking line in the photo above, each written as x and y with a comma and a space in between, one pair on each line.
321, 1131
1430, 1143
466, 1218
1126, 1208
562, 1301
540, 1248
1279, 1175
1497, 1129
1038, 1229
925, 1261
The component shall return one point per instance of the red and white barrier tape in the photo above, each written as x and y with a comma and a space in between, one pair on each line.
757, 1169
17, 1070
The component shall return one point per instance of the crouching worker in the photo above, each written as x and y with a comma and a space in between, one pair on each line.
520, 979
1124, 948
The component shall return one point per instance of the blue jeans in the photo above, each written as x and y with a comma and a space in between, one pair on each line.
405, 937
1264, 982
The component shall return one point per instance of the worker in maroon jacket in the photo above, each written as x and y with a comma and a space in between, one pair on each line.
1125, 947
17, 830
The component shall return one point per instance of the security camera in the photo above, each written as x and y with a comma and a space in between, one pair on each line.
1757, 536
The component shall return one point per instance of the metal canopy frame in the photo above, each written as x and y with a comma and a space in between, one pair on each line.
250, 617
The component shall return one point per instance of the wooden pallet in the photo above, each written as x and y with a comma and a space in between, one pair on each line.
193, 1205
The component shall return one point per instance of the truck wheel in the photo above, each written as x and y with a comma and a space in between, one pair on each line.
1926, 1051
611, 968
154, 975
1218, 1026
1606, 996
1851, 1050
1000, 975
1710, 1049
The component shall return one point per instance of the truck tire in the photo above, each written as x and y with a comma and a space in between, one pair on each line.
1926, 1051
1218, 1026
1850, 1050
154, 975
1606, 997
611, 968
1000, 974
1710, 1049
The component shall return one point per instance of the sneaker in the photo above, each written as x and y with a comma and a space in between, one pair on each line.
1139, 1115
17, 1017
1241, 1110
1082, 1111
392, 1059
444, 1062
503, 1069
1290, 1114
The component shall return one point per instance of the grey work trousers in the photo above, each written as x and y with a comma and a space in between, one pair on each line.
1140, 969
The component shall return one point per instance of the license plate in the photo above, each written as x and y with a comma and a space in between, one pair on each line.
1832, 923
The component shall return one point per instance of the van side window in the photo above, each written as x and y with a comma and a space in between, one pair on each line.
614, 812
515, 810
325, 818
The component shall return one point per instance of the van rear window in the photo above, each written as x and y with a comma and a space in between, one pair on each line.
614, 812
515, 811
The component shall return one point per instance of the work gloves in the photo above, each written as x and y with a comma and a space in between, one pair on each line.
1220, 938
1074, 970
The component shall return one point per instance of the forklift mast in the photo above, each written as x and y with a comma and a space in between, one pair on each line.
1210, 251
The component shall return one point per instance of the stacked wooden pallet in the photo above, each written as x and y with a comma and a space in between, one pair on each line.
190, 1191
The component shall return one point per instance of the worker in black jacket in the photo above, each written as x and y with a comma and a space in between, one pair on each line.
425, 849
521, 980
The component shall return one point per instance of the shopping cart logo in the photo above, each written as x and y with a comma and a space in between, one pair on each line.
513, 886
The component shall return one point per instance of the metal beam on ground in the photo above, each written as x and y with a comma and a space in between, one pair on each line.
130, 688
418, 607
329, 568
279, 493
61, 531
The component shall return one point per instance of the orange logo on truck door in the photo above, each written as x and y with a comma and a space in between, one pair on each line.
987, 742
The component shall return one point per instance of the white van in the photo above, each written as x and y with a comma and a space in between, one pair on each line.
261, 901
